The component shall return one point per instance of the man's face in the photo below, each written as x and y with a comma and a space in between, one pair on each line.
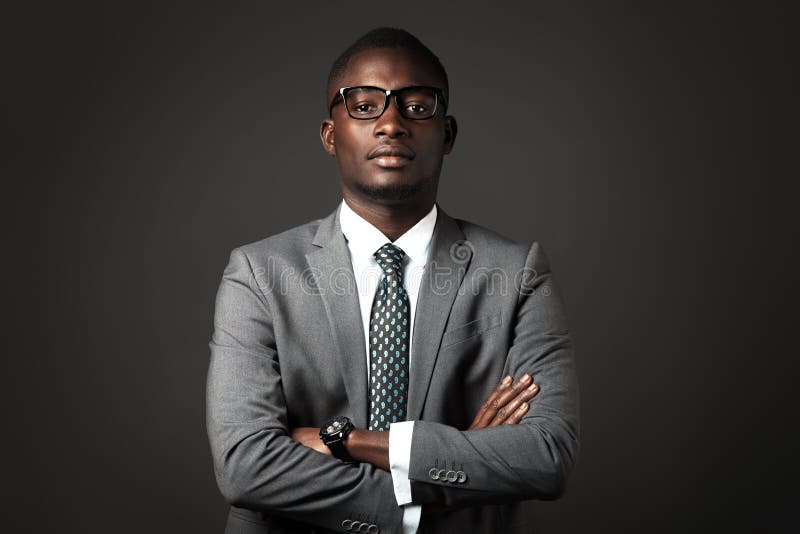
367, 177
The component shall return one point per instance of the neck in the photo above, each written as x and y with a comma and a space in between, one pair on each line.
392, 220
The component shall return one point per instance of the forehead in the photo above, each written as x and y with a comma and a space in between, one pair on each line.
389, 68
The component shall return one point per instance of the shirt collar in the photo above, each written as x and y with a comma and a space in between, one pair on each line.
364, 239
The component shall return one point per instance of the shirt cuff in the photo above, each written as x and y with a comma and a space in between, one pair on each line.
400, 460
411, 517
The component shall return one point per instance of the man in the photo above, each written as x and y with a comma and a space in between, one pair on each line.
373, 371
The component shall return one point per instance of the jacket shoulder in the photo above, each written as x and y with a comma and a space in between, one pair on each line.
490, 246
291, 244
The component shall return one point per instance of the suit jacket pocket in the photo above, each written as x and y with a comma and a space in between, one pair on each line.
471, 329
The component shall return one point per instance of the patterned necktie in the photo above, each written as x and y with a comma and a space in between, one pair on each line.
388, 342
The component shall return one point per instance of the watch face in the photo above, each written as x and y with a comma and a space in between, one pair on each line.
334, 426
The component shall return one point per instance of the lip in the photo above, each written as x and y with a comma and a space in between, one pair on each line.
391, 162
392, 153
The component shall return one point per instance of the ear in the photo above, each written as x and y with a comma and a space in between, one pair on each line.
450, 133
326, 135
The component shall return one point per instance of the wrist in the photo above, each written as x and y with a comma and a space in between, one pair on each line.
354, 443
334, 434
370, 446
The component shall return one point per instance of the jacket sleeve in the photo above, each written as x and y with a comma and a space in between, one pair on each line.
529, 460
256, 463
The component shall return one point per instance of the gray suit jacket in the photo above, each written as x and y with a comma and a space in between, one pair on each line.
288, 351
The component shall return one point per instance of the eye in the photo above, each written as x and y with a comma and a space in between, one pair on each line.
417, 108
363, 108
418, 102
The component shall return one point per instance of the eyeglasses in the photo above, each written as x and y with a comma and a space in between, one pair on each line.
365, 102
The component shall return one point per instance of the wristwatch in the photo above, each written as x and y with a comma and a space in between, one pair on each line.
333, 434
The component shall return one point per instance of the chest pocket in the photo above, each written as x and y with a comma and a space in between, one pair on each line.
471, 329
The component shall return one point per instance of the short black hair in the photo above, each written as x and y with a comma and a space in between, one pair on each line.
386, 37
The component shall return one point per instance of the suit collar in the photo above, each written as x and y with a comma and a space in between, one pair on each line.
364, 239
328, 229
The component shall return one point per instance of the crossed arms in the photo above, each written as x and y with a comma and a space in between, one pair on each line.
506, 405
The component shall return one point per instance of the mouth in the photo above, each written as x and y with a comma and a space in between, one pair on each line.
392, 156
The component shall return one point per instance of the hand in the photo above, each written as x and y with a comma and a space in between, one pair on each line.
507, 404
310, 438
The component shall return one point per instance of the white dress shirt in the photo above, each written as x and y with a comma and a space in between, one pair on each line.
363, 239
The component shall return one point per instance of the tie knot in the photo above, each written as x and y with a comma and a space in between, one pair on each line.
390, 259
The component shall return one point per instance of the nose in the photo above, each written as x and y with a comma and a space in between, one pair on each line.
391, 123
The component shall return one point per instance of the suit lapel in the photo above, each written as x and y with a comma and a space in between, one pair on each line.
335, 281
449, 258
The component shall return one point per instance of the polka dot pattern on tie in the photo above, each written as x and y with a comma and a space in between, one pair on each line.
389, 342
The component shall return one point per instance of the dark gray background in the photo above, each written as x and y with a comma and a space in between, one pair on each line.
645, 146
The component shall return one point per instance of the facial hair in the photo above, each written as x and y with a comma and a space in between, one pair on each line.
391, 193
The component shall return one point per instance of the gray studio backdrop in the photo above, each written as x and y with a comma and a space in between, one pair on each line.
640, 144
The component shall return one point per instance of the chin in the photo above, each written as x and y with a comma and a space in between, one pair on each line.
391, 192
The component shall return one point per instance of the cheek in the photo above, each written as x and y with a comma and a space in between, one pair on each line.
435, 148
348, 161
434, 136
350, 147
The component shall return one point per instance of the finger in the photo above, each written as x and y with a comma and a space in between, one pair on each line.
490, 405
511, 408
509, 394
498, 400
518, 414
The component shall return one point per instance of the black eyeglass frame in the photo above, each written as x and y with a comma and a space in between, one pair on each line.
387, 93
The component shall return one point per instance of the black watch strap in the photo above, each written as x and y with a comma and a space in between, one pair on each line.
340, 451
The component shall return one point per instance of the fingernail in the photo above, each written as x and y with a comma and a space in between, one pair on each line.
533, 387
526, 378
507, 380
